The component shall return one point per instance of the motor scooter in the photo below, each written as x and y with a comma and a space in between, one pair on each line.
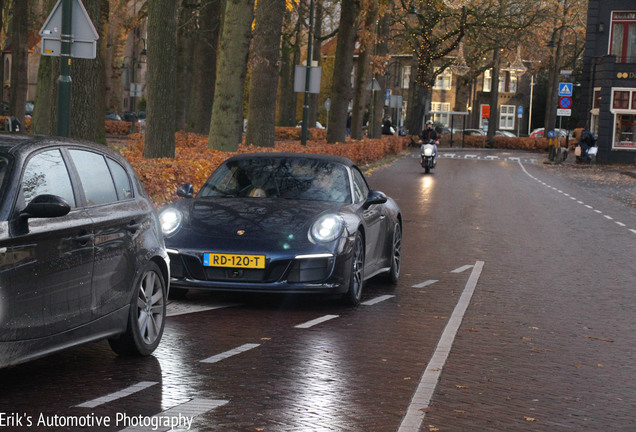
428, 155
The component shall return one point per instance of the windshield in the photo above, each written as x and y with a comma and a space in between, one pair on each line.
288, 178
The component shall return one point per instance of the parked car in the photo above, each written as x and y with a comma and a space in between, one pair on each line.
540, 133
82, 256
113, 116
473, 132
505, 133
283, 223
317, 126
480, 132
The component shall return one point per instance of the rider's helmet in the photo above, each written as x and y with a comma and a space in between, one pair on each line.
429, 122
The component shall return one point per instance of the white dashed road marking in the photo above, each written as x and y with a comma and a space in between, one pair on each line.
462, 269
117, 395
597, 211
425, 283
316, 321
179, 417
230, 353
377, 300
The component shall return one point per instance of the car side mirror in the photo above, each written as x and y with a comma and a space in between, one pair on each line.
185, 190
46, 206
375, 197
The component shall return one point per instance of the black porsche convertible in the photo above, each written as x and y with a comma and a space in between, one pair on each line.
283, 223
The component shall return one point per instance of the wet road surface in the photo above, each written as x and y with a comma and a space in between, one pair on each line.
513, 312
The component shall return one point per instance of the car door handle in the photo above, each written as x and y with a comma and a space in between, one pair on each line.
133, 227
84, 238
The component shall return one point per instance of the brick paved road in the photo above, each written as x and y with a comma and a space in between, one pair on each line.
546, 342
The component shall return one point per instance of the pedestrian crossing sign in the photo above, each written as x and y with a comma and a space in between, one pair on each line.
565, 89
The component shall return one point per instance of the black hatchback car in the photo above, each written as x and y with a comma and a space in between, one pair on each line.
82, 256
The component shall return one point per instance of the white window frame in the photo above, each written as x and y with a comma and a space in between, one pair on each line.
629, 135
507, 114
406, 77
440, 107
444, 80
487, 86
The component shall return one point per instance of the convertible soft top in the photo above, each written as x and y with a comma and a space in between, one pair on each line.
286, 155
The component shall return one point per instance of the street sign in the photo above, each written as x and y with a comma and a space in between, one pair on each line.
565, 89
564, 112
520, 111
84, 34
565, 102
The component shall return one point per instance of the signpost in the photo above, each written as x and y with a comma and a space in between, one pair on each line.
68, 32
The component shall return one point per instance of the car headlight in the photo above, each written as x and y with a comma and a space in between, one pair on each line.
327, 228
170, 220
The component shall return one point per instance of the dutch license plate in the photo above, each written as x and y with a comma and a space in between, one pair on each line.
233, 260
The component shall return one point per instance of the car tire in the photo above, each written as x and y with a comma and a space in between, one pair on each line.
147, 315
396, 254
354, 293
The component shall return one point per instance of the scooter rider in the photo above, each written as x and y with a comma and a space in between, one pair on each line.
429, 133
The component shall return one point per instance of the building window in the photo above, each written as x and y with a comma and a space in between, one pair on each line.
620, 100
507, 117
439, 111
502, 82
406, 77
513, 83
623, 37
624, 110
597, 99
444, 80
487, 80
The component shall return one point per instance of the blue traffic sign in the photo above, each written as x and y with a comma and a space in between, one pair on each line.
520, 110
565, 89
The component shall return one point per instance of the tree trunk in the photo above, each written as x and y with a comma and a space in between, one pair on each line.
227, 110
19, 59
161, 58
204, 67
341, 87
314, 98
89, 85
363, 71
494, 98
45, 107
261, 114
289, 58
185, 63
382, 50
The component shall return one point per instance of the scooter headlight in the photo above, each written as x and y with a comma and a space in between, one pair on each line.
428, 151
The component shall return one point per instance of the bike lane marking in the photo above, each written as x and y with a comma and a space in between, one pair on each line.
421, 399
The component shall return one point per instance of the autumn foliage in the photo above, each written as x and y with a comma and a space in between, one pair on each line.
194, 162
